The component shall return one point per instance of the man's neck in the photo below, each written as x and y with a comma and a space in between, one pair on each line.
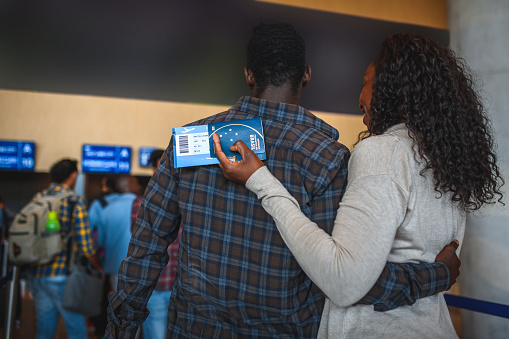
63, 184
281, 94
68, 183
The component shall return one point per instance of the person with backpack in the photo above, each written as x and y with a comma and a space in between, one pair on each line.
47, 281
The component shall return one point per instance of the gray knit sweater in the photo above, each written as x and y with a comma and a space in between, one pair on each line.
389, 213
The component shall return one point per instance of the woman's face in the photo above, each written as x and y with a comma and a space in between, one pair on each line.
366, 92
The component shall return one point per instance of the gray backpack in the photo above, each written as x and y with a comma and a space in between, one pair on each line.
29, 243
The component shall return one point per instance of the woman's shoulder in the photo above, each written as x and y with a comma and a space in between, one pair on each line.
376, 155
385, 143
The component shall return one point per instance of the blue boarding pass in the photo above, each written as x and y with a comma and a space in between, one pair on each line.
193, 145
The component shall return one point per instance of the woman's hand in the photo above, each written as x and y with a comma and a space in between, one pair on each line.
239, 171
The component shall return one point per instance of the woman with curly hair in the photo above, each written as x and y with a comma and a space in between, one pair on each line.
426, 160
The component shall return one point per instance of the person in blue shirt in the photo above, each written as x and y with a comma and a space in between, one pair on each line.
113, 224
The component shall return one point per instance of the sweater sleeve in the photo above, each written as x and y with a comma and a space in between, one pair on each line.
82, 232
347, 264
353, 260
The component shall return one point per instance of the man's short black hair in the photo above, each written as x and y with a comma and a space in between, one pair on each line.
111, 183
60, 171
154, 157
276, 54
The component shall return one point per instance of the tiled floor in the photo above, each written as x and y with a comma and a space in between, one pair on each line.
27, 328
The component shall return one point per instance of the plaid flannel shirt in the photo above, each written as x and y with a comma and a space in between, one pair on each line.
83, 241
236, 278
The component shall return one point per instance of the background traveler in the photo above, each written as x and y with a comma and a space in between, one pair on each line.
47, 281
113, 224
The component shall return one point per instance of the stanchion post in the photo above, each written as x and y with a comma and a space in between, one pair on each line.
12, 294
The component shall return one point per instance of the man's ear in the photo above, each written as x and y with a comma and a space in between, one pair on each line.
250, 80
306, 78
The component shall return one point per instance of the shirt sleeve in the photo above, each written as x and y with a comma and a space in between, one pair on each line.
327, 193
83, 234
404, 284
155, 228
134, 210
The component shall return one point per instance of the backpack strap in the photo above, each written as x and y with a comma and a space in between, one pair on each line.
58, 196
63, 195
69, 239
72, 203
39, 195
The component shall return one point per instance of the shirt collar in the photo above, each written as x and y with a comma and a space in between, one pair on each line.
58, 188
284, 112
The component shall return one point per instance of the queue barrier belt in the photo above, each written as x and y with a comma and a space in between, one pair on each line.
476, 305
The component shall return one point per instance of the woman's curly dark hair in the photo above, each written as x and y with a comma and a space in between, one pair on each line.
427, 87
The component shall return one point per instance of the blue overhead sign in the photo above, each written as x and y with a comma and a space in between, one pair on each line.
106, 159
145, 153
17, 155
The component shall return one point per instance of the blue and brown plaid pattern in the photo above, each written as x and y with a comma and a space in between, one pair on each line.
403, 284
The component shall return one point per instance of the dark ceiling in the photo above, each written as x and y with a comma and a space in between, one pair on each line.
184, 51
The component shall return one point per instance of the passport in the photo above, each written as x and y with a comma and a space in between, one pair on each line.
194, 146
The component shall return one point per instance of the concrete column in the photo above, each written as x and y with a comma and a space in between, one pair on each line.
480, 34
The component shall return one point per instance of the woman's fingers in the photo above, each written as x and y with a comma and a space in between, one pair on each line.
238, 171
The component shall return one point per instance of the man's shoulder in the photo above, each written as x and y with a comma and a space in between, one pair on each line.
221, 116
311, 142
115, 198
129, 197
95, 205
62, 193
306, 133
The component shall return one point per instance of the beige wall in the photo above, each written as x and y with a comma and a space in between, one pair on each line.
431, 13
60, 124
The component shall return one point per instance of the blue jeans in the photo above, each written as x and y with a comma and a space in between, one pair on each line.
47, 293
156, 323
